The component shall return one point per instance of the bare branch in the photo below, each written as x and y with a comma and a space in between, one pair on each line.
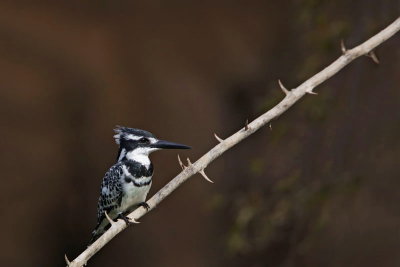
237, 137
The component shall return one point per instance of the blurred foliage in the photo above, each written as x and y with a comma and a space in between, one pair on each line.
287, 217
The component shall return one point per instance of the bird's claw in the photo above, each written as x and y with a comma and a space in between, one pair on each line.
144, 205
125, 219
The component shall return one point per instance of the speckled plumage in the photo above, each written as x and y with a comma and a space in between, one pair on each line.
115, 187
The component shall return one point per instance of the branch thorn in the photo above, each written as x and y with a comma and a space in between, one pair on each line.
311, 92
373, 56
108, 218
284, 89
246, 125
270, 126
343, 47
218, 138
205, 176
132, 220
67, 260
180, 163
189, 162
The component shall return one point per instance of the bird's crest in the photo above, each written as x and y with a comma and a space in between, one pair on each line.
129, 133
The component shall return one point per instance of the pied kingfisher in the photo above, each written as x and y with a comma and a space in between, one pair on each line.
127, 182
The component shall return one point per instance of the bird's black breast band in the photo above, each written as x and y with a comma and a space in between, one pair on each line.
138, 170
130, 180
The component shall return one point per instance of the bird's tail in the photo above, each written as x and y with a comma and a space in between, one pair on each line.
94, 238
95, 234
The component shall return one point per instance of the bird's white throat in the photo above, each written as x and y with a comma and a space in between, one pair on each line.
140, 155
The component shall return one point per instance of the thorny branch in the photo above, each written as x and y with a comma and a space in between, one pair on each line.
291, 97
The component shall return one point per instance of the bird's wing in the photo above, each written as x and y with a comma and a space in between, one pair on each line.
110, 193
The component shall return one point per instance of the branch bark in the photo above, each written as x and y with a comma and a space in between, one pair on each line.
292, 96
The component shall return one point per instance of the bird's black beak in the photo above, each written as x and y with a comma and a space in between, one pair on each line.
169, 145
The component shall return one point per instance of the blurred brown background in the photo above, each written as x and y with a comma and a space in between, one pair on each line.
320, 189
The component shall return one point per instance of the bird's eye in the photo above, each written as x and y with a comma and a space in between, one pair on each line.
143, 140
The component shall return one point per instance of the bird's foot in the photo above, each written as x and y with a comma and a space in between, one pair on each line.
144, 205
125, 219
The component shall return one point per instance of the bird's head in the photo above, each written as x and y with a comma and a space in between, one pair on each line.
138, 143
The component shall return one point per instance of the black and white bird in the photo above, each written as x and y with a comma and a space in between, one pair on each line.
127, 182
